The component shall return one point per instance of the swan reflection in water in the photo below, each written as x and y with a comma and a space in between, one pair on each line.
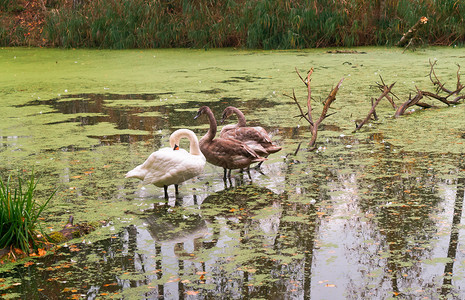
185, 241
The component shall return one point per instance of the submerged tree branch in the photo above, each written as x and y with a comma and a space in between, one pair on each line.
400, 110
382, 87
309, 115
410, 102
436, 80
386, 91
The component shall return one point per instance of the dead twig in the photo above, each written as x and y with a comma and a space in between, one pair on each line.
459, 85
302, 114
386, 91
382, 87
375, 116
324, 113
309, 115
434, 95
410, 35
441, 87
436, 80
400, 110
410, 102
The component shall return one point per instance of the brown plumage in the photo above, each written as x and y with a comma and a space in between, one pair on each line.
255, 137
224, 152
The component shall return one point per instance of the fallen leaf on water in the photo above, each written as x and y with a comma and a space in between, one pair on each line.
29, 263
108, 284
192, 293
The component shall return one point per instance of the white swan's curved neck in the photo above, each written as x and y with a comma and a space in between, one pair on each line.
176, 136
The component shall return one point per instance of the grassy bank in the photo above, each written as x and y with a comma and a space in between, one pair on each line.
267, 24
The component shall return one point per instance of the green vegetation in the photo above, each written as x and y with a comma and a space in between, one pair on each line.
19, 215
267, 24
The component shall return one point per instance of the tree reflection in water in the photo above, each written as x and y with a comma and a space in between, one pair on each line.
366, 222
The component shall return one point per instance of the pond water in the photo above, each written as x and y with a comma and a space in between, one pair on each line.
375, 214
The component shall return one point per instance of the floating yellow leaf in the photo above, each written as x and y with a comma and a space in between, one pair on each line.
108, 284
192, 293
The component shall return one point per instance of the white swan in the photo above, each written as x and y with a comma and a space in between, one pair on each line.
171, 165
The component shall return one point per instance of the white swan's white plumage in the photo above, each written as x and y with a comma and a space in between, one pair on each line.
171, 165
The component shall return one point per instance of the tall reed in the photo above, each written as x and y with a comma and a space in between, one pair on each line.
268, 24
19, 214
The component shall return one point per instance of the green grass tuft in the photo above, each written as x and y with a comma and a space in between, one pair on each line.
19, 214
